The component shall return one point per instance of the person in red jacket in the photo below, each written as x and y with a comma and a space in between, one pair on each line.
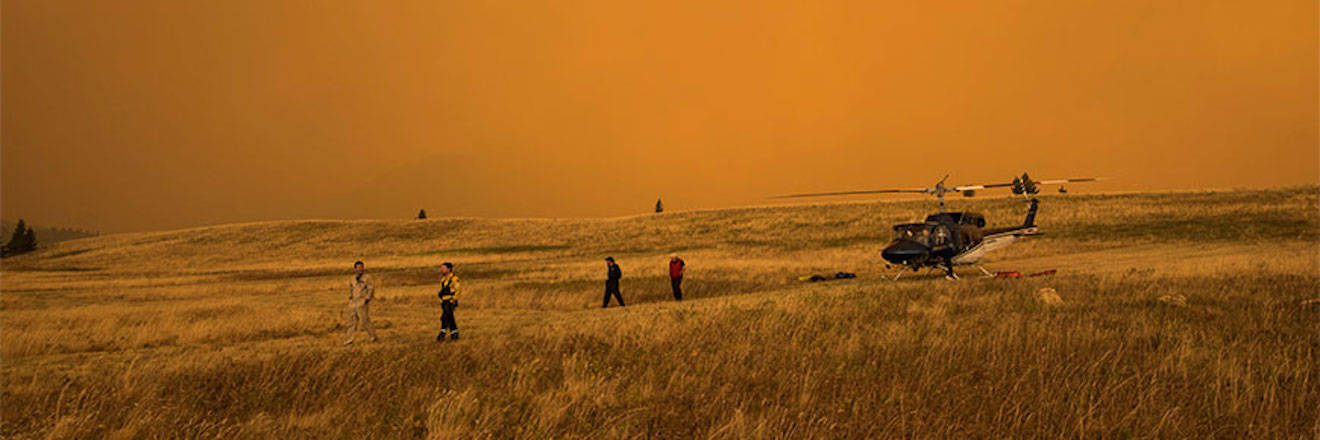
676, 268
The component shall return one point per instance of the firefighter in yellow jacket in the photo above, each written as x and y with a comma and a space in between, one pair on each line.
448, 302
361, 290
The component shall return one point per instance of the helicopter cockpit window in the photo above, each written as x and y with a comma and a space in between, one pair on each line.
916, 233
939, 235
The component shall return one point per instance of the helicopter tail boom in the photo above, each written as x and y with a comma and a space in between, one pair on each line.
1031, 214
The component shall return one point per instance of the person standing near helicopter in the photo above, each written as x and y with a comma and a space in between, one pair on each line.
361, 290
448, 302
676, 269
612, 276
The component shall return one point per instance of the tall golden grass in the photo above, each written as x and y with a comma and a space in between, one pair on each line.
233, 331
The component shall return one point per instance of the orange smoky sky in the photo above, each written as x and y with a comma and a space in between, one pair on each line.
136, 115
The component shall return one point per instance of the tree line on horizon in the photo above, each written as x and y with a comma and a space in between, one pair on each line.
659, 205
23, 237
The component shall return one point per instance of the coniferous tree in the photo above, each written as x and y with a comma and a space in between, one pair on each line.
1017, 185
659, 206
18, 240
421, 215
1028, 186
30, 240
22, 240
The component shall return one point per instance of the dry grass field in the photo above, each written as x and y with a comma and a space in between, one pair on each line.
1183, 316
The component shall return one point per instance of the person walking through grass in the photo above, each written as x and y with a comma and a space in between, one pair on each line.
360, 292
676, 269
448, 302
612, 277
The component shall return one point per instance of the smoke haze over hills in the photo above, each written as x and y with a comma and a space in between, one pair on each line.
143, 115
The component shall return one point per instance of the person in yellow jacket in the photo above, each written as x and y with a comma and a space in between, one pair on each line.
448, 302
361, 290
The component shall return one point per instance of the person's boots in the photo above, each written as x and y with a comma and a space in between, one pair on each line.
441, 337
453, 336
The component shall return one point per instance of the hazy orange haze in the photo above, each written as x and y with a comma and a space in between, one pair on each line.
133, 115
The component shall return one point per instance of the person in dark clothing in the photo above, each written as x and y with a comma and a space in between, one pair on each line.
676, 268
448, 302
612, 282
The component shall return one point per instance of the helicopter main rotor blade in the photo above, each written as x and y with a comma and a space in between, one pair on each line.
937, 190
975, 187
1038, 182
1058, 181
850, 193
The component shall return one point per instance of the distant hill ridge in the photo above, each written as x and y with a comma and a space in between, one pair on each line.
1231, 216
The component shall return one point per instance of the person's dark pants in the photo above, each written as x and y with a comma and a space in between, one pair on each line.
447, 322
612, 289
676, 283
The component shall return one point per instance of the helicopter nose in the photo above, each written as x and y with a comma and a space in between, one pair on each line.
903, 251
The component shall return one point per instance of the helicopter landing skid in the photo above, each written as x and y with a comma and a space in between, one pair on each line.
899, 273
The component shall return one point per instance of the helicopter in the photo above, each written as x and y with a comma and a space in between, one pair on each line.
947, 239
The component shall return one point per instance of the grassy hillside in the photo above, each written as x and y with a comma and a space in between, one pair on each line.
1182, 315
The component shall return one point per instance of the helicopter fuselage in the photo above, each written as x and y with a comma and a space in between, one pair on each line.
951, 238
